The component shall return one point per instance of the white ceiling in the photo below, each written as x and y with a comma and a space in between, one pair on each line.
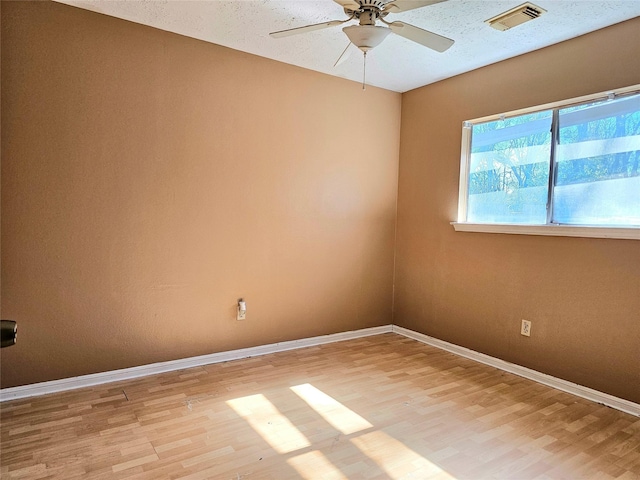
397, 64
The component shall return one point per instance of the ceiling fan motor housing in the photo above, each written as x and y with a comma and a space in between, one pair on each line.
369, 11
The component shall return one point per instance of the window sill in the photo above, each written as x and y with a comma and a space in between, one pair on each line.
625, 233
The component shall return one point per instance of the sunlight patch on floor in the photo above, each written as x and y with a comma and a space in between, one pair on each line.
391, 456
314, 465
396, 459
269, 423
336, 414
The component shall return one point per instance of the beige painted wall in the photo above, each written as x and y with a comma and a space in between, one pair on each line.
472, 289
150, 180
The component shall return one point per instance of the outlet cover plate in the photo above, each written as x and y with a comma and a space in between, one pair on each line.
525, 329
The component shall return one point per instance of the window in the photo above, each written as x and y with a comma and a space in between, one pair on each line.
574, 164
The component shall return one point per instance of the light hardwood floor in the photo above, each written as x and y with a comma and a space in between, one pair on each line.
372, 408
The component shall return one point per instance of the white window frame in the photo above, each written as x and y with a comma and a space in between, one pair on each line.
594, 231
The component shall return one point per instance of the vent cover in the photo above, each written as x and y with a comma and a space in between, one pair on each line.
515, 16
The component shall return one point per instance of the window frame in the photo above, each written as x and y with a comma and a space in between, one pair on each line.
552, 229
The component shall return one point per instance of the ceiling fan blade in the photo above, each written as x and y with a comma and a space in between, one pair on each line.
423, 37
307, 28
404, 5
350, 4
346, 53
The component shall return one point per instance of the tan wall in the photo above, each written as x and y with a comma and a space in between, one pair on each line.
472, 289
149, 180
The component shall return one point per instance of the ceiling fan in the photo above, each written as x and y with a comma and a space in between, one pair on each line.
367, 35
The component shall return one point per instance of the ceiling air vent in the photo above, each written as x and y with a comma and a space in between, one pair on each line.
515, 16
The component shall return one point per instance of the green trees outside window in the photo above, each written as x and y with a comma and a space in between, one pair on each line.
578, 165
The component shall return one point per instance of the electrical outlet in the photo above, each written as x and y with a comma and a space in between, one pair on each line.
526, 328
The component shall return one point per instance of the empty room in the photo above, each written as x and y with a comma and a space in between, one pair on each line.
328, 239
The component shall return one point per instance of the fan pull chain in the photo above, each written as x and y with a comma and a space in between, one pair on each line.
364, 72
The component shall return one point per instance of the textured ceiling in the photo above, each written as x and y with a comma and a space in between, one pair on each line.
397, 64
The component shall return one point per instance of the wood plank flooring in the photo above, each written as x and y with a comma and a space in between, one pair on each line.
382, 407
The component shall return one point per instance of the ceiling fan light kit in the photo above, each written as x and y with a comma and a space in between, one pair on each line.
366, 37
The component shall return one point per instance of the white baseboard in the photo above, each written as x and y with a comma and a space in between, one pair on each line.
73, 383
573, 388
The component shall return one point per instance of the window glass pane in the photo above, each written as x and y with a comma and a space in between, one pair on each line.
598, 157
509, 170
